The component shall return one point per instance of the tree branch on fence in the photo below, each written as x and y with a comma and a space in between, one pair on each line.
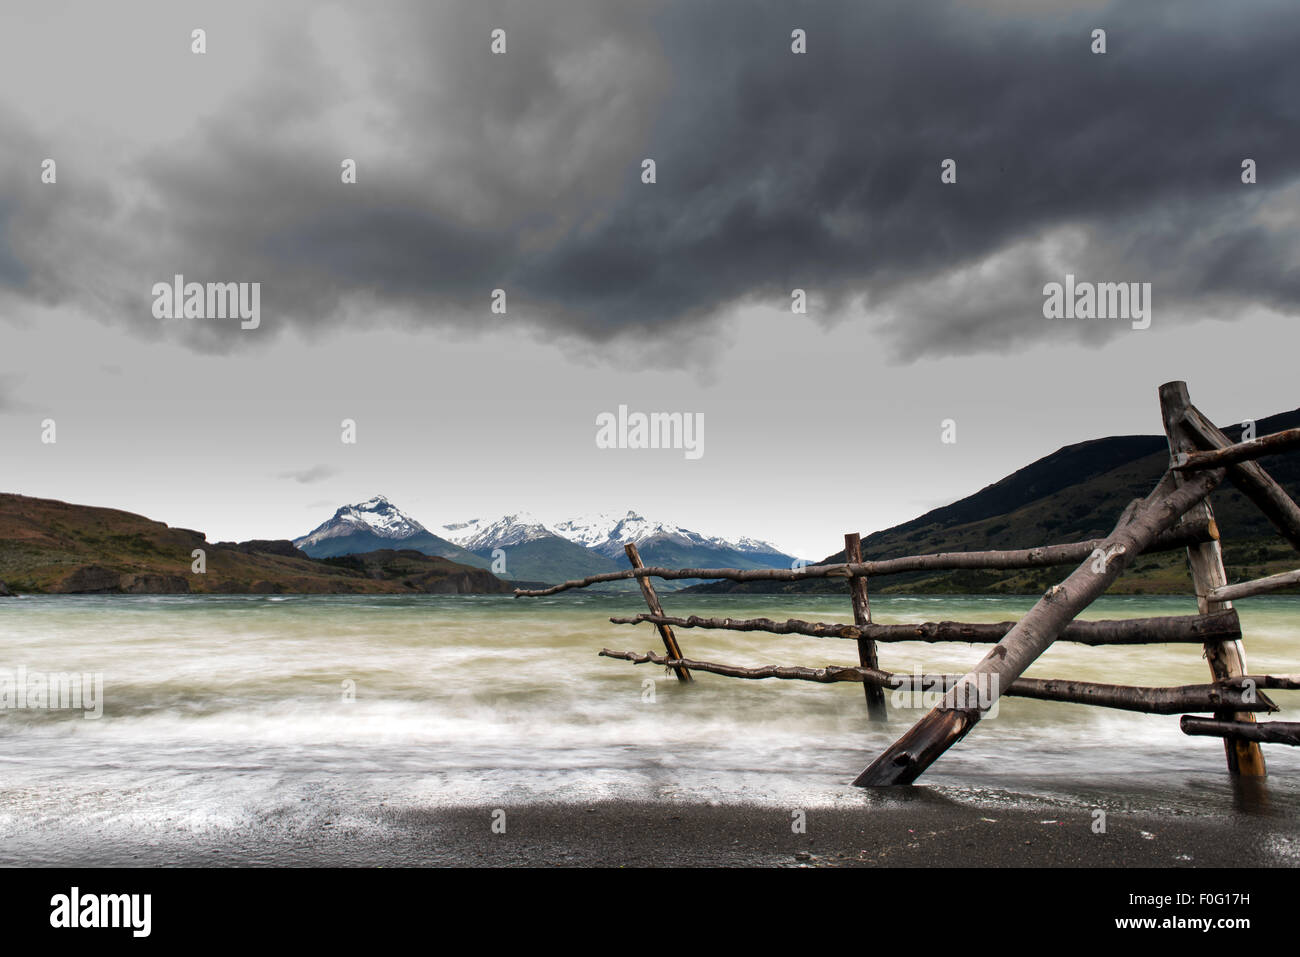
947, 724
1192, 629
1241, 452
1274, 732
1175, 700
1044, 556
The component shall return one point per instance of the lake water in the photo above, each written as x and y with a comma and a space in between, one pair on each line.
221, 709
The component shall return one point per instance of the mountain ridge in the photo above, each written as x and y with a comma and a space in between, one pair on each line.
1073, 494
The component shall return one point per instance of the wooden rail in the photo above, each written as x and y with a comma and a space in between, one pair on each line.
1044, 556
1274, 732
1241, 452
1175, 700
1193, 629
1257, 586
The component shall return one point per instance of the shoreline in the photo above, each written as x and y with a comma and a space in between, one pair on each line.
916, 827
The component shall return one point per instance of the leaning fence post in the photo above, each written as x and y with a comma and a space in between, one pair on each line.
652, 601
867, 657
1227, 659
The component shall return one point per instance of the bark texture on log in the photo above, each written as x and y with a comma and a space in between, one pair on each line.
1249, 478
1167, 629
867, 656
1227, 658
652, 602
1272, 732
907, 758
1240, 452
1146, 700
1257, 586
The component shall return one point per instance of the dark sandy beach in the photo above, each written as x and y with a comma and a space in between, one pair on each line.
916, 827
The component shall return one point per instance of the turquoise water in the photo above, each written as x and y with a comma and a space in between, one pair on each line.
220, 708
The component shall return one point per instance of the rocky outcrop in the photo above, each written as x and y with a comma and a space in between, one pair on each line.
89, 580
4, 591
151, 584
97, 580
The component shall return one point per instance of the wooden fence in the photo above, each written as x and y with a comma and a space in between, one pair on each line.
1176, 515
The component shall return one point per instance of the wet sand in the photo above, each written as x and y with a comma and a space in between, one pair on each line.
908, 828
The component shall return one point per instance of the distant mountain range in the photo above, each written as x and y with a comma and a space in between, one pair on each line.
531, 550
1075, 494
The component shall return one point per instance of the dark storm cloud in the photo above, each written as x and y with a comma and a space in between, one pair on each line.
775, 171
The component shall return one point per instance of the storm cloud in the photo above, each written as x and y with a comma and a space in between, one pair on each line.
775, 170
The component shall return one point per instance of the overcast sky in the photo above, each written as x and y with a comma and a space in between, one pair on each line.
523, 171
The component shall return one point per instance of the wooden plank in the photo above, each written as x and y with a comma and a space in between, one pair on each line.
1227, 659
1241, 452
652, 602
1274, 732
867, 658
1256, 586
908, 757
1165, 629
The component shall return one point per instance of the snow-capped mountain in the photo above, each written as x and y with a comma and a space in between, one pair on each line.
377, 515
374, 524
607, 533
534, 551
478, 534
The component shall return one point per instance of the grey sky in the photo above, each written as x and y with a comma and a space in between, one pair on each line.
522, 171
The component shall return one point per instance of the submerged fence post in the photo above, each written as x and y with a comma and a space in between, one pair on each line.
867, 657
652, 601
1227, 659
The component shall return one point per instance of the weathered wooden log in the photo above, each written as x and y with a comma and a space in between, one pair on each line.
1240, 452
1167, 629
652, 602
1257, 586
1226, 658
1249, 478
1271, 732
1045, 556
867, 656
947, 724
1175, 700
1280, 682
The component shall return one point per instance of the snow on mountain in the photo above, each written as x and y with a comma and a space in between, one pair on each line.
608, 532
376, 515
478, 534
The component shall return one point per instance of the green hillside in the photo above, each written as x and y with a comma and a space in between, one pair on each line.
48, 546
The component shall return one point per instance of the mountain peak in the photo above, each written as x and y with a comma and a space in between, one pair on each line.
377, 515
478, 534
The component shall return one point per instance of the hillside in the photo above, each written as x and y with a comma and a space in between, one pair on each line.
1074, 494
48, 546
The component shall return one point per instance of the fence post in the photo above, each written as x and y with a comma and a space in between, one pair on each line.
867, 657
1227, 659
652, 601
